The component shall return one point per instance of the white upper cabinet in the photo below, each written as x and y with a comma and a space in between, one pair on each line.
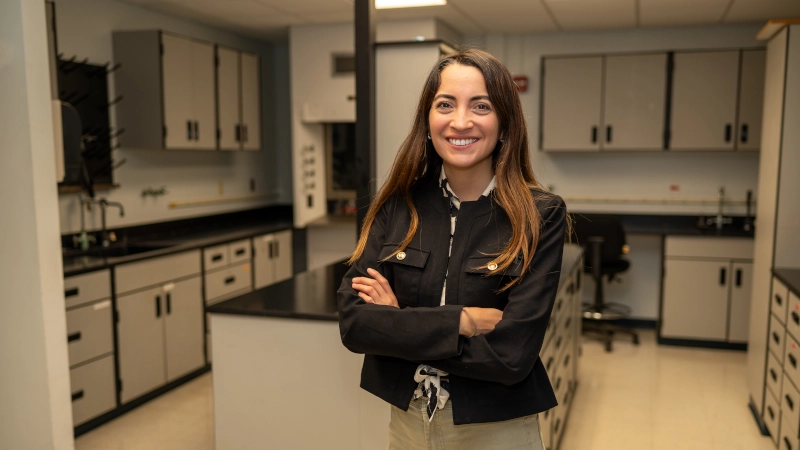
751, 99
178, 106
251, 101
704, 90
571, 103
228, 87
203, 96
634, 102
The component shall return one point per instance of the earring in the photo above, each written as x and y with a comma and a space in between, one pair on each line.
429, 136
502, 140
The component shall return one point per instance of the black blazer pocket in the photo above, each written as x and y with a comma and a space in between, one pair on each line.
405, 269
481, 283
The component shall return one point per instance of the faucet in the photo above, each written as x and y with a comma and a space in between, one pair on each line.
104, 204
719, 220
83, 239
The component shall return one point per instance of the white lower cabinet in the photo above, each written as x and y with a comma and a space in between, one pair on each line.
93, 388
772, 416
272, 258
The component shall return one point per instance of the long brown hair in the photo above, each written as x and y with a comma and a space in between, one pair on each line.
417, 160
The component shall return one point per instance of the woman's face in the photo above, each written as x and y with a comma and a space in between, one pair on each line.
464, 127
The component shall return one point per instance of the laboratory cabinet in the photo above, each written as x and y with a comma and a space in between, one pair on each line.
238, 99
160, 322
609, 102
90, 345
272, 258
706, 289
717, 100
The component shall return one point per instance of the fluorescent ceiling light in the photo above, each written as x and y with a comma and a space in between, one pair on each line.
389, 4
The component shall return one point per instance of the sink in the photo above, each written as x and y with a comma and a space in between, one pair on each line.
114, 251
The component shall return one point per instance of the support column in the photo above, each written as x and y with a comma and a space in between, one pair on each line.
365, 106
34, 373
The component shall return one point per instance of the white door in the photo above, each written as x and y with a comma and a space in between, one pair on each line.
283, 255
741, 284
228, 98
695, 299
704, 91
571, 103
183, 327
176, 66
203, 98
634, 102
140, 331
751, 99
263, 260
251, 101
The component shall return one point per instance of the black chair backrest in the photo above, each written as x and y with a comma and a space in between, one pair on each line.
603, 225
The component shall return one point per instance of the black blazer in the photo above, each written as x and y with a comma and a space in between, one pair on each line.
493, 377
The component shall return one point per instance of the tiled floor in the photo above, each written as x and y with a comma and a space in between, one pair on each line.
636, 398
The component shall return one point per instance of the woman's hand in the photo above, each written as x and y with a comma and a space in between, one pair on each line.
475, 321
375, 290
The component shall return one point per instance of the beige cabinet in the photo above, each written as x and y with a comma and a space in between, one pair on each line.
614, 102
706, 289
228, 270
272, 258
239, 99
709, 91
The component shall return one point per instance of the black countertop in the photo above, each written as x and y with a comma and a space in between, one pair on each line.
678, 225
312, 294
75, 265
789, 277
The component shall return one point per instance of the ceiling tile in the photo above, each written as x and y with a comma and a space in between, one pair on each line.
309, 6
446, 13
574, 15
331, 17
228, 8
508, 16
762, 10
660, 13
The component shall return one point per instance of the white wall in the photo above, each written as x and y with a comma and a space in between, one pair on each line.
647, 175
34, 375
84, 29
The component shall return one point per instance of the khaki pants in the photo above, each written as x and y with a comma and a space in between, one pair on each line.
410, 430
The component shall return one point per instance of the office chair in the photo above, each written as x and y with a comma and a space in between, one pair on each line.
603, 240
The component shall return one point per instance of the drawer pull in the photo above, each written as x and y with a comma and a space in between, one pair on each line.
774, 375
567, 323
549, 363
271, 250
771, 413
558, 383
789, 402
793, 360
778, 300
795, 318
77, 395
217, 257
158, 306
74, 336
566, 361
169, 303
560, 303
557, 425
71, 292
230, 280
776, 338
240, 252
722, 273
558, 342
788, 444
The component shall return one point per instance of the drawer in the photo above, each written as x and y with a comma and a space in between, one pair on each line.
155, 271
225, 283
88, 287
772, 417
788, 438
215, 257
560, 306
777, 335
780, 299
793, 316
546, 427
89, 332
774, 375
790, 406
240, 251
708, 247
566, 364
93, 389
559, 419
791, 360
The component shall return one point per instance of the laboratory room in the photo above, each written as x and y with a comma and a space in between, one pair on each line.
184, 186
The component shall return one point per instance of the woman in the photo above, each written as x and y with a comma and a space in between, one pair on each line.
456, 270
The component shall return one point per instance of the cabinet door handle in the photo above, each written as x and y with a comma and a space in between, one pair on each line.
771, 412
728, 132
793, 361
77, 395
776, 338
795, 318
271, 251
71, 292
196, 131
158, 306
74, 337
189, 130
608, 133
788, 444
789, 402
238, 133
744, 133
230, 280
594, 134
773, 374
169, 303
779, 300
738, 277
217, 257
722, 273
